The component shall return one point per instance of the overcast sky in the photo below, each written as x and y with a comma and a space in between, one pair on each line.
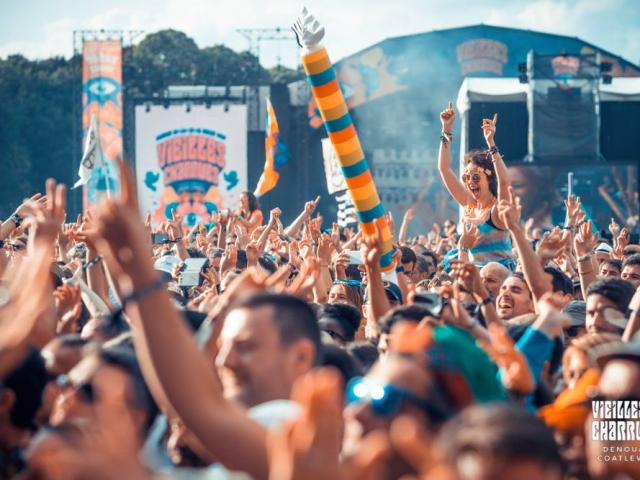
41, 28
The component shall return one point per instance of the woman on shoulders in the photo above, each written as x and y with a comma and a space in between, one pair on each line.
249, 214
484, 183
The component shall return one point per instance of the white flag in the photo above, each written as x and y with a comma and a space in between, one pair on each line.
92, 157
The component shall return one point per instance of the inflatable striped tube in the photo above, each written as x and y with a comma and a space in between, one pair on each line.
343, 136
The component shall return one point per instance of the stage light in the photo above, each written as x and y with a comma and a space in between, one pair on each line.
523, 79
166, 104
147, 107
226, 107
522, 68
188, 107
607, 79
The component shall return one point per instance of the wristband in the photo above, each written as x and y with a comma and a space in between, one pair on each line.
494, 151
464, 249
136, 295
91, 263
446, 137
16, 219
486, 301
584, 258
400, 269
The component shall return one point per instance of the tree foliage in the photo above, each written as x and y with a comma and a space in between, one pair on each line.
39, 101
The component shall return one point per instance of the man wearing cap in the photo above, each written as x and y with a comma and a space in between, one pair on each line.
602, 252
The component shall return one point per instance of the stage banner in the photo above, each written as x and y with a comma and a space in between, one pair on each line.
102, 98
193, 162
335, 178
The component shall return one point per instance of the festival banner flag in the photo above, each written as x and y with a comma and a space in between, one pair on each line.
92, 157
102, 99
276, 153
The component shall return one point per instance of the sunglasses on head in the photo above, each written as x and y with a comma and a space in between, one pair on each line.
85, 390
386, 399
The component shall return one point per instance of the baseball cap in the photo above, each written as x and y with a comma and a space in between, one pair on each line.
604, 247
577, 312
166, 265
391, 289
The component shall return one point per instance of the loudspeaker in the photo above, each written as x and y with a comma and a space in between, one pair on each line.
619, 131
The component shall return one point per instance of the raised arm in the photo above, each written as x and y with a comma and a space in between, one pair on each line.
489, 131
378, 304
584, 243
406, 219
309, 207
450, 179
182, 369
509, 212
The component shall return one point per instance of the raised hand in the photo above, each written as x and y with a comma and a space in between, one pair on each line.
253, 253
45, 219
574, 210
242, 238
371, 248
121, 237
614, 228
489, 129
175, 224
513, 365
303, 284
509, 211
550, 319
311, 205
622, 241
341, 264
229, 259
408, 215
585, 241
335, 236
274, 215
553, 244
447, 117
309, 32
468, 275
68, 306
470, 236
325, 248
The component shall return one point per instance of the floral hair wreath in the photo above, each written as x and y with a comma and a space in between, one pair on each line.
476, 168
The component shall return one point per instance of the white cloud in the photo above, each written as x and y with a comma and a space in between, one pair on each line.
351, 25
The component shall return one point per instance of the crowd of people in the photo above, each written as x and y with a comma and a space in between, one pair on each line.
245, 349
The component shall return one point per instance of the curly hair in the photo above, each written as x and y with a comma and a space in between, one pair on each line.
482, 159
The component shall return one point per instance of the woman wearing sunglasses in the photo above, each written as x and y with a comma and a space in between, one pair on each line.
484, 183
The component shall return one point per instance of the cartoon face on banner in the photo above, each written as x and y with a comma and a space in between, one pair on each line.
188, 168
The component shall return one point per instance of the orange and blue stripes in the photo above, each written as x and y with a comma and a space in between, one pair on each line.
339, 126
276, 154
